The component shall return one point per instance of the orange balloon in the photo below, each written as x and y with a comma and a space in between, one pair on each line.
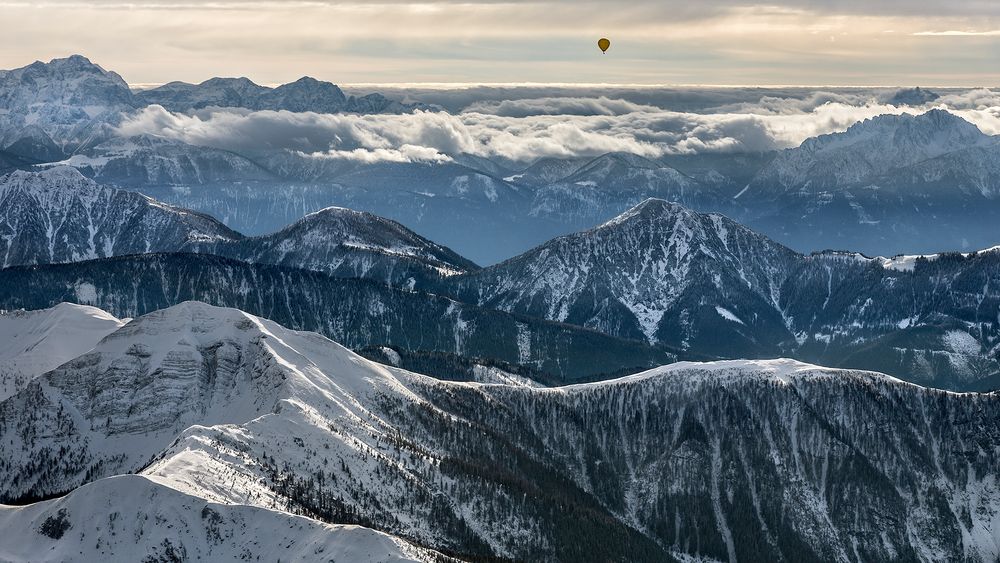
603, 43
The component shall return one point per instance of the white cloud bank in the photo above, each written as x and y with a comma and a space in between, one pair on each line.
524, 130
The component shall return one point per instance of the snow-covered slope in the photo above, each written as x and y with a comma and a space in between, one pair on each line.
134, 518
351, 244
34, 342
747, 460
58, 215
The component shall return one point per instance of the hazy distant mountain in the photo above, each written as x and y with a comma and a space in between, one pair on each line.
912, 97
155, 161
895, 183
761, 460
548, 170
612, 183
866, 151
305, 94
49, 111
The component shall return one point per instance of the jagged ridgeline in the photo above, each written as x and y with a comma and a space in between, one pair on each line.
739, 460
357, 313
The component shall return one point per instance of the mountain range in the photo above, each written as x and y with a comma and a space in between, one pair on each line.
660, 281
358, 313
245, 421
305, 94
905, 183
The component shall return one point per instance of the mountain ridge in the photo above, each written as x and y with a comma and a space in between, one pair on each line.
449, 466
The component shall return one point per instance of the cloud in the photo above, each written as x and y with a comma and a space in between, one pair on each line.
306, 132
600, 105
527, 129
405, 153
955, 33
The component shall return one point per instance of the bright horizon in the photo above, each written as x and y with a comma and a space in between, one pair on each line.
542, 42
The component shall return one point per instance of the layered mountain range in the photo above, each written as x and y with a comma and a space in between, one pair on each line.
904, 183
232, 422
659, 281
173, 389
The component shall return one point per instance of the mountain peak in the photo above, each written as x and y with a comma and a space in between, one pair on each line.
937, 127
913, 97
72, 62
650, 209
48, 175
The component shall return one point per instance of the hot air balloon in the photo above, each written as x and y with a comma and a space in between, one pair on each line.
603, 43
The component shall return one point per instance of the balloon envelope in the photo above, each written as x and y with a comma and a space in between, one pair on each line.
603, 44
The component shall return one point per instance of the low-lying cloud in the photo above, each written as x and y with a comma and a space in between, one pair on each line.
527, 129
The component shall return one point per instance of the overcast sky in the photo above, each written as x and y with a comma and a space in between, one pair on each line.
807, 42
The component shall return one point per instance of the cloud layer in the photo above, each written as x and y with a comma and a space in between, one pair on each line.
526, 129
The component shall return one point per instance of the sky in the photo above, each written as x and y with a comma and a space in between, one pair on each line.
718, 42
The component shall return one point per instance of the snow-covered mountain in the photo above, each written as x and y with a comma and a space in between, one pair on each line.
34, 342
903, 183
305, 94
58, 215
867, 150
658, 272
745, 460
59, 105
348, 244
